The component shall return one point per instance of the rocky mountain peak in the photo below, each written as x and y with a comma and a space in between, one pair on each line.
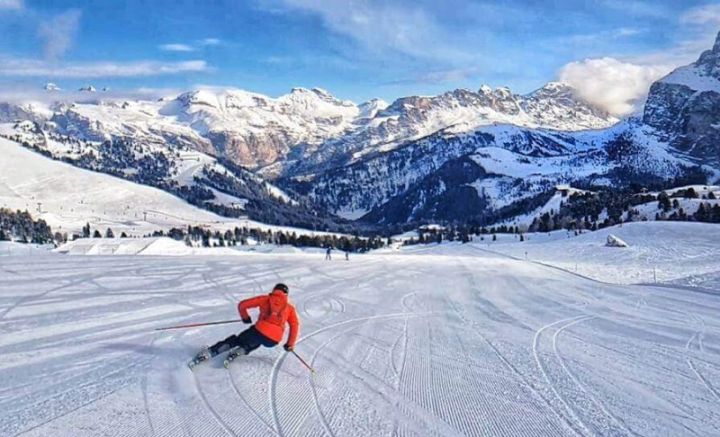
370, 108
684, 106
709, 62
554, 89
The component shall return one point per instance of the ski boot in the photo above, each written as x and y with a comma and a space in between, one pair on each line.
237, 352
201, 356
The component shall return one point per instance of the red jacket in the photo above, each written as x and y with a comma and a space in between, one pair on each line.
275, 312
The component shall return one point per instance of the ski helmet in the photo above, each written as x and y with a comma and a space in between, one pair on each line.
282, 287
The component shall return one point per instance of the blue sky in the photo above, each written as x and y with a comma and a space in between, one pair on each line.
355, 49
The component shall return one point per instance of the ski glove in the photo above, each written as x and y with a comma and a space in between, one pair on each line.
288, 348
247, 321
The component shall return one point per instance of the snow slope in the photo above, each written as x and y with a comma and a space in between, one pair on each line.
69, 197
659, 251
447, 342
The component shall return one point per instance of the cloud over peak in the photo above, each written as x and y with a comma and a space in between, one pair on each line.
611, 84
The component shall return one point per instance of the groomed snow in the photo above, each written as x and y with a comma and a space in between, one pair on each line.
442, 340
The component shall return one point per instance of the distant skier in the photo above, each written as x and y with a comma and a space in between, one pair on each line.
328, 256
347, 256
269, 330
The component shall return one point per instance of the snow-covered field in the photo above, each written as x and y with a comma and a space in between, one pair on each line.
659, 252
436, 340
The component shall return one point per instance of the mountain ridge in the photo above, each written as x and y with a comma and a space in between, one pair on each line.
393, 163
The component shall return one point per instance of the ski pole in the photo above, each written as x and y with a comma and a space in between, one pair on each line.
193, 325
303, 361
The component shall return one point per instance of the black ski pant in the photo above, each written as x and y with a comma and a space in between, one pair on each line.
250, 339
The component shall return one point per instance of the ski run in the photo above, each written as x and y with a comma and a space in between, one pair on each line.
439, 340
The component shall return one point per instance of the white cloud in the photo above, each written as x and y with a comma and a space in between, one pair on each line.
35, 68
59, 32
178, 47
639, 8
602, 36
620, 85
175, 47
379, 26
702, 15
209, 42
11, 4
611, 84
25, 94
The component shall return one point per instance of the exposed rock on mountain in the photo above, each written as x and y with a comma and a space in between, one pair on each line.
684, 107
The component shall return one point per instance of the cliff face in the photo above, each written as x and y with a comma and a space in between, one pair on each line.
684, 107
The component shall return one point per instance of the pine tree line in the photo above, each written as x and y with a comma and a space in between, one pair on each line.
20, 226
194, 235
583, 210
463, 234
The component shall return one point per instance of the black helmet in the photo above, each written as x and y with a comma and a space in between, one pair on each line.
282, 287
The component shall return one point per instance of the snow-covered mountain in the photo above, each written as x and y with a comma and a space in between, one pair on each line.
491, 151
309, 128
491, 172
494, 172
553, 106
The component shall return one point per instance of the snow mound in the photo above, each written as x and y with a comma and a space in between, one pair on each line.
156, 246
613, 241
8, 248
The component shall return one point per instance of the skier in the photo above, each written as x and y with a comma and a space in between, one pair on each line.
328, 256
268, 331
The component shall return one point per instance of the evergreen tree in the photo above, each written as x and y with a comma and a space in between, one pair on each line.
97, 234
109, 233
664, 202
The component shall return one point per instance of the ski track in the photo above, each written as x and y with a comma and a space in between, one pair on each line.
247, 404
316, 403
421, 344
577, 382
698, 336
209, 407
544, 371
513, 368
